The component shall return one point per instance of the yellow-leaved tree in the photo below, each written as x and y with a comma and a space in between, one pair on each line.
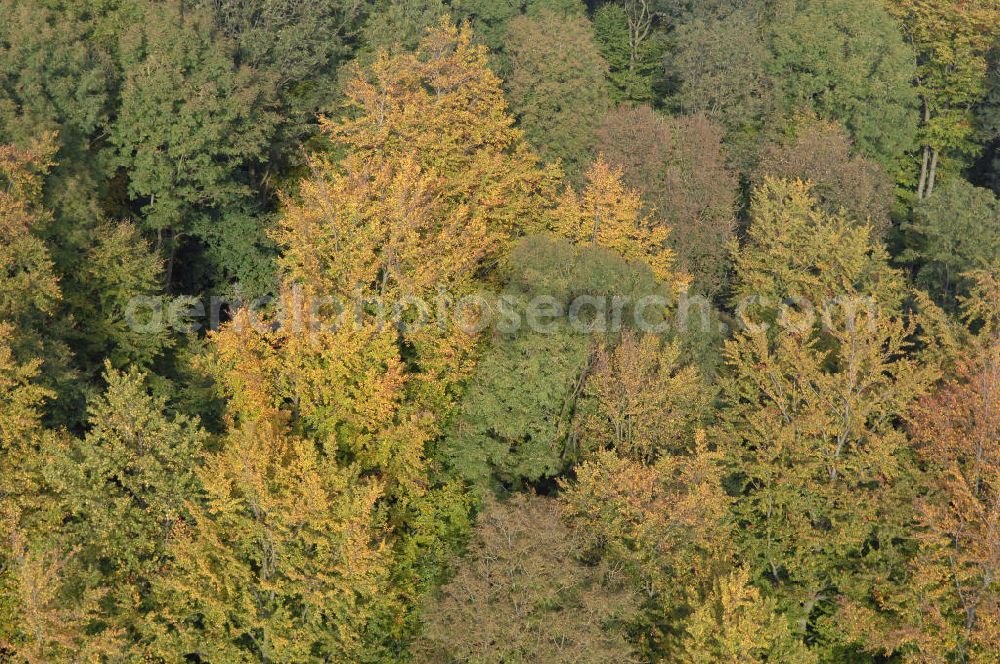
946, 605
665, 524
735, 624
443, 106
811, 432
609, 214
29, 287
284, 562
321, 489
640, 400
796, 249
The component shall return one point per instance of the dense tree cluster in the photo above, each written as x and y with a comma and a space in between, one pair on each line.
500, 331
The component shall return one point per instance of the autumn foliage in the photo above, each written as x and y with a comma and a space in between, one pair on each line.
499, 332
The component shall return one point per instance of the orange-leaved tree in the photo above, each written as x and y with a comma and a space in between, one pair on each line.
665, 524
946, 607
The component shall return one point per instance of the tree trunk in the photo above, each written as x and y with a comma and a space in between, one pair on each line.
927, 151
170, 263
923, 173
933, 173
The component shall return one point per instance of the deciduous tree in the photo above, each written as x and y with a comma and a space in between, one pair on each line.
666, 524
633, 43
640, 400
522, 595
810, 428
951, 40
284, 562
719, 63
513, 424
680, 167
444, 107
558, 88
951, 232
736, 624
946, 607
30, 287
795, 249
122, 490
822, 153
608, 214
191, 121
847, 61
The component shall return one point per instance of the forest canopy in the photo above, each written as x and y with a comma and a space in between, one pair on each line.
500, 331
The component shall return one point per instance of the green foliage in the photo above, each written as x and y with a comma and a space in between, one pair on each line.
846, 59
296, 49
30, 293
190, 121
952, 41
794, 249
123, 488
513, 424
490, 19
438, 525
396, 25
557, 86
633, 79
115, 292
719, 68
56, 77
843, 59
823, 472
30, 288
953, 231
53, 75
300, 485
